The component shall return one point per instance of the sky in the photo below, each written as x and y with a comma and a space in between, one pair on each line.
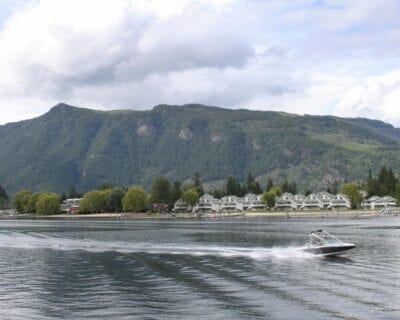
315, 57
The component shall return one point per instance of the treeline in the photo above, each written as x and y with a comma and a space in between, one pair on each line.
384, 184
42, 203
232, 187
163, 194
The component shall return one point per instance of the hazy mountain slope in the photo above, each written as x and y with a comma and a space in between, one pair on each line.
71, 146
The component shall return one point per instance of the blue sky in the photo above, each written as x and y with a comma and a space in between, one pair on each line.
301, 56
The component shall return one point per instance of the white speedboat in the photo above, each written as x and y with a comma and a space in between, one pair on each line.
324, 244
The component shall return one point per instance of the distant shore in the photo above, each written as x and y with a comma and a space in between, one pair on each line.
205, 215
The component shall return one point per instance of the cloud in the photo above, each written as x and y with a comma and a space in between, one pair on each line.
301, 56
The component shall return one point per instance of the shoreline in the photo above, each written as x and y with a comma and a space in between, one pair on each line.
205, 215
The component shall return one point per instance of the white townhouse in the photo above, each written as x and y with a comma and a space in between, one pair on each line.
312, 201
253, 201
389, 201
207, 203
299, 198
373, 202
231, 203
286, 202
376, 202
340, 201
180, 206
325, 198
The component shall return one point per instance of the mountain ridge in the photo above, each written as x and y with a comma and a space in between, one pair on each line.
73, 146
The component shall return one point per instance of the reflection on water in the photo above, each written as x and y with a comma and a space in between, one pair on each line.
220, 269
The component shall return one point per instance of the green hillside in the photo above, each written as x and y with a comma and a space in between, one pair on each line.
71, 146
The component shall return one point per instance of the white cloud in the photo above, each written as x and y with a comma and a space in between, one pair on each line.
302, 56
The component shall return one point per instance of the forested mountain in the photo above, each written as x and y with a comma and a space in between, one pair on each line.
71, 146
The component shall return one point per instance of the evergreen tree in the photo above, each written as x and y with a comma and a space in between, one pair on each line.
252, 185
176, 192
397, 192
285, 186
232, 187
3, 193
333, 187
197, 183
270, 184
72, 194
390, 182
4, 200
218, 193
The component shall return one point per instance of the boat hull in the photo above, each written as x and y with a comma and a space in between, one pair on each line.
329, 250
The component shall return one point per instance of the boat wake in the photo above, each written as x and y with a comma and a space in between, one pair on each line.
32, 240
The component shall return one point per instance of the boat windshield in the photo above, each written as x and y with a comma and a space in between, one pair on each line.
320, 237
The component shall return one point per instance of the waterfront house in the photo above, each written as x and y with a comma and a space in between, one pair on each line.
312, 202
325, 198
376, 202
389, 201
340, 201
247, 200
231, 203
180, 206
207, 203
71, 205
286, 202
252, 201
257, 203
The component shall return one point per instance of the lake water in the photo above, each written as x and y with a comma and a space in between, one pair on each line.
209, 269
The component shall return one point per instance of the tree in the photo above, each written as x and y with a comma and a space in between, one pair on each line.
276, 190
31, 206
333, 187
352, 190
4, 200
114, 199
104, 199
72, 194
270, 184
218, 193
397, 192
48, 203
252, 185
92, 201
269, 198
191, 197
135, 199
232, 187
197, 183
289, 186
176, 192
160, 190
21, 200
